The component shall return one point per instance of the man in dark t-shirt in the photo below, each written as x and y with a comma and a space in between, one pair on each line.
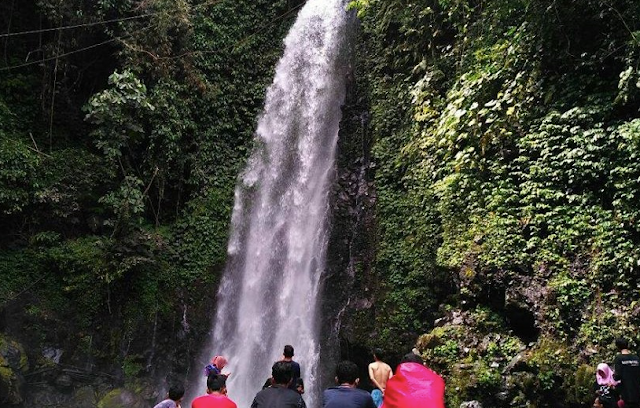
287, 356
346, 394
627, 371
279, 395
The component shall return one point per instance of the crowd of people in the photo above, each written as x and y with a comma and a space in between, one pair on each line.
412, 386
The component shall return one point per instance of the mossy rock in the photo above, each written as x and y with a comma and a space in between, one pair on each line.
497, 370
84, 397
121, 398
428, 341
144, 388
13, 363
12, 354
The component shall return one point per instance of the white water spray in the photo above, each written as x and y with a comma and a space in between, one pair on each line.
268, 296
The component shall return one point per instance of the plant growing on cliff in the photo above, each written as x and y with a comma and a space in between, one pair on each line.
520, 158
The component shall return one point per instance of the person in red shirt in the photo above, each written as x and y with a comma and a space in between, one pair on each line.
414, 386
216, 396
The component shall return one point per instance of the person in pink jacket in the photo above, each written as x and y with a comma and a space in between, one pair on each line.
414, 386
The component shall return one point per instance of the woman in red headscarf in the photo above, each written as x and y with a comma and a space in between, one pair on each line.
216, 366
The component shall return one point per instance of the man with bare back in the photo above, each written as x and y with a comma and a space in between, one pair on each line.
379, 373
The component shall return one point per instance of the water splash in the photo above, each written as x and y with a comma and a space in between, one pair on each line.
268, 296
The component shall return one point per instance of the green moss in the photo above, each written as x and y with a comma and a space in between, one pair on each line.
471, 356
579, 386
459, 384
111, 400
6, 373
487, 321
122, 398
489, 380
11, 379
132, 366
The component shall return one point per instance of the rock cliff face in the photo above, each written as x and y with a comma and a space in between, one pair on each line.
350, 286
500, 217
60, 375
483, 360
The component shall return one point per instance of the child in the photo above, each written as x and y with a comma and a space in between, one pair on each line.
300, 386
606, 392
216, 366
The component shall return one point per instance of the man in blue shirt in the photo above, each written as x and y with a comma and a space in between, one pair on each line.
346, 394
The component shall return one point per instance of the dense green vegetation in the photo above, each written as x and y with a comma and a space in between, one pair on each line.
507, 136
123, 125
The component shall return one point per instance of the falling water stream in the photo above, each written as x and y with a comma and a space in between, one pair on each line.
268, 296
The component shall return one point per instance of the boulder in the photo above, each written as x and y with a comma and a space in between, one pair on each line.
84, 397
64, 382
122, 398
13, 364
45, 395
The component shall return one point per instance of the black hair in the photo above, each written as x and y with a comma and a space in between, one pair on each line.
267, 383
216, 382
346, 372
378, 353
622, 343
299, 382
176, 391
411, 358
282, 372
288, 351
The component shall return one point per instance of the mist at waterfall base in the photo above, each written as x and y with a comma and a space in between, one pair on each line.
268, 296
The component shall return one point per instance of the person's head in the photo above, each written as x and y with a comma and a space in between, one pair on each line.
176, 392
282, 372
288, 351
300, 386
597, 403
411, 358
604, 374
217, 383
622, 343
219, 362
267, 383
347, 373
378, 354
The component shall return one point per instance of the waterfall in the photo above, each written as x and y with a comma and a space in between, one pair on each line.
268, 296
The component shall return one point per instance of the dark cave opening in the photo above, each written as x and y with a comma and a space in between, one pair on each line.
522, 322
